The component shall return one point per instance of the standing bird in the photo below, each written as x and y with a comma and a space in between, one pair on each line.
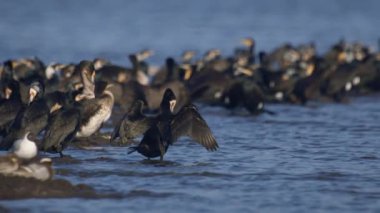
10, 105
168, 127
94, 110
32, 118
61, 130
133, 124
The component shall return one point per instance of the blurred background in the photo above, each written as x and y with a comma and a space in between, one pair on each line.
322, 157
72, 30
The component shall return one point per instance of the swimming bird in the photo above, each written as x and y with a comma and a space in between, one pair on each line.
25, 148
168, 127
133, 124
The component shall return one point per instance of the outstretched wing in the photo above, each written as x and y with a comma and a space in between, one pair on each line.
188, 122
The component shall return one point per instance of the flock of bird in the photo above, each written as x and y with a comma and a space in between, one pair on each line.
45, 107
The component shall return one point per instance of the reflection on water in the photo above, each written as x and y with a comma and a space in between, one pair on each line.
322, 157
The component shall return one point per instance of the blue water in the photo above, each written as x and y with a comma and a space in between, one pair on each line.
67, 31
321, 158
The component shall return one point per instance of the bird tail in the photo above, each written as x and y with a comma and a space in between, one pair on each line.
269, 112
132, 149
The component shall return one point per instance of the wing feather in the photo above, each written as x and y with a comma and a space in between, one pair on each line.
188, 122
61, 126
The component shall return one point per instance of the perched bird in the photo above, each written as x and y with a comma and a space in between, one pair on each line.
25, 148
168, 127
133, 124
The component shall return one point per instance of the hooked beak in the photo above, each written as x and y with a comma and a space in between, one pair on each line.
32, 95
172, 105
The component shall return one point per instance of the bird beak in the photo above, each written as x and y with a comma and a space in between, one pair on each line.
342, 57
77, 86
32, 95
172, 105
79, 97
310, 69
8, 93
148, 53
55, 107
247, 42
188, 73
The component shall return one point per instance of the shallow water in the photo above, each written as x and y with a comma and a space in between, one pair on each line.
323, 157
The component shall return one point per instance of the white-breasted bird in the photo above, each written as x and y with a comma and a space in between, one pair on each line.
25, 148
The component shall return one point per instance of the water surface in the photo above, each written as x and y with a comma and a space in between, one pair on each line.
323, 157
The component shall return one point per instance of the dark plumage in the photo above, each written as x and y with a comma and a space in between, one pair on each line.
62, 127
32, 118
188, 122
133, 124
10, 105
168, 127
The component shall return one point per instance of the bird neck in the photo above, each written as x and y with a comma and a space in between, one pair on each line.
165, 110
109, 94
251, 50
107, 97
